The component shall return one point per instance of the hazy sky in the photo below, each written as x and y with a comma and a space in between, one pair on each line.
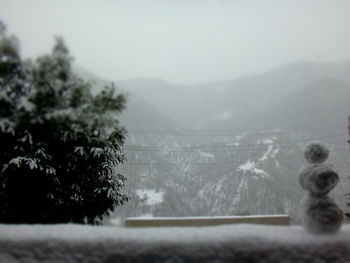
184, 41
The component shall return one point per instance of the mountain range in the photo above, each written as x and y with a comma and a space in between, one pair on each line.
231, 147
298, 92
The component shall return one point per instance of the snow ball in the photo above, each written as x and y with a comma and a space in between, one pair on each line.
321, 215
316, 153
318, 179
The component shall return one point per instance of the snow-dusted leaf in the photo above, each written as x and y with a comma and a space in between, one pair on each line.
50, 170
96, 151
41, 152
25, 104
79, 150
26, 138
6, 126
4, 167
32, 164
110, 192
16, 161
65, 136
4, 96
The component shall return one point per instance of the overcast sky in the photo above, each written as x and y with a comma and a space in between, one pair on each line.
183, 41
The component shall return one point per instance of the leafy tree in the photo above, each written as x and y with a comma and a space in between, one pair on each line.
60, 143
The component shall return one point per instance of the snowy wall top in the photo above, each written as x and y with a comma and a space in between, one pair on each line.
229, 243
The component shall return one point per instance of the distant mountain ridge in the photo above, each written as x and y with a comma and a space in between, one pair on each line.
273, 98
246, 169
238, 102
326, 100
258, 93
139, 114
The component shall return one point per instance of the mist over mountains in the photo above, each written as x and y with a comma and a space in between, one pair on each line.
248, 101
232, 147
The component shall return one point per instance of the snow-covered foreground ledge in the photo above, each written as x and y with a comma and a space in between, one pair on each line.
229, 243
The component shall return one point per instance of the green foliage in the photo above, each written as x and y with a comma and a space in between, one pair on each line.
60, 144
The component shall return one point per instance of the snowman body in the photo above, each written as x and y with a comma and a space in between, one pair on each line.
319, 213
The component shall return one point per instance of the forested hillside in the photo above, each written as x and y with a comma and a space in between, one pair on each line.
238, 162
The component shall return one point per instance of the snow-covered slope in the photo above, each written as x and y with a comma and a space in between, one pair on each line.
230, 243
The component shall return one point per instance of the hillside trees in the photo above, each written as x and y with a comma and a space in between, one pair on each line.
60, 144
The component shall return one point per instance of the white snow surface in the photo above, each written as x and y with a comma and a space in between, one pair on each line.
270, 153
151, 196
227, 243
267, 141
249, 166
206, 155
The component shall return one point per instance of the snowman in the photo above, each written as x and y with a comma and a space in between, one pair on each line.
319, 213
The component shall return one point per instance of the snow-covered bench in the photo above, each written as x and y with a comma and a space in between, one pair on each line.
206, 221
228, 243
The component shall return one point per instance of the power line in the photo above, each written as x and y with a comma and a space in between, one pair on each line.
175, 132
241, 147
241, 162
232, 148
232, 134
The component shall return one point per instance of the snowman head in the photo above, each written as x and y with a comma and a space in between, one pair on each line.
316, 152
